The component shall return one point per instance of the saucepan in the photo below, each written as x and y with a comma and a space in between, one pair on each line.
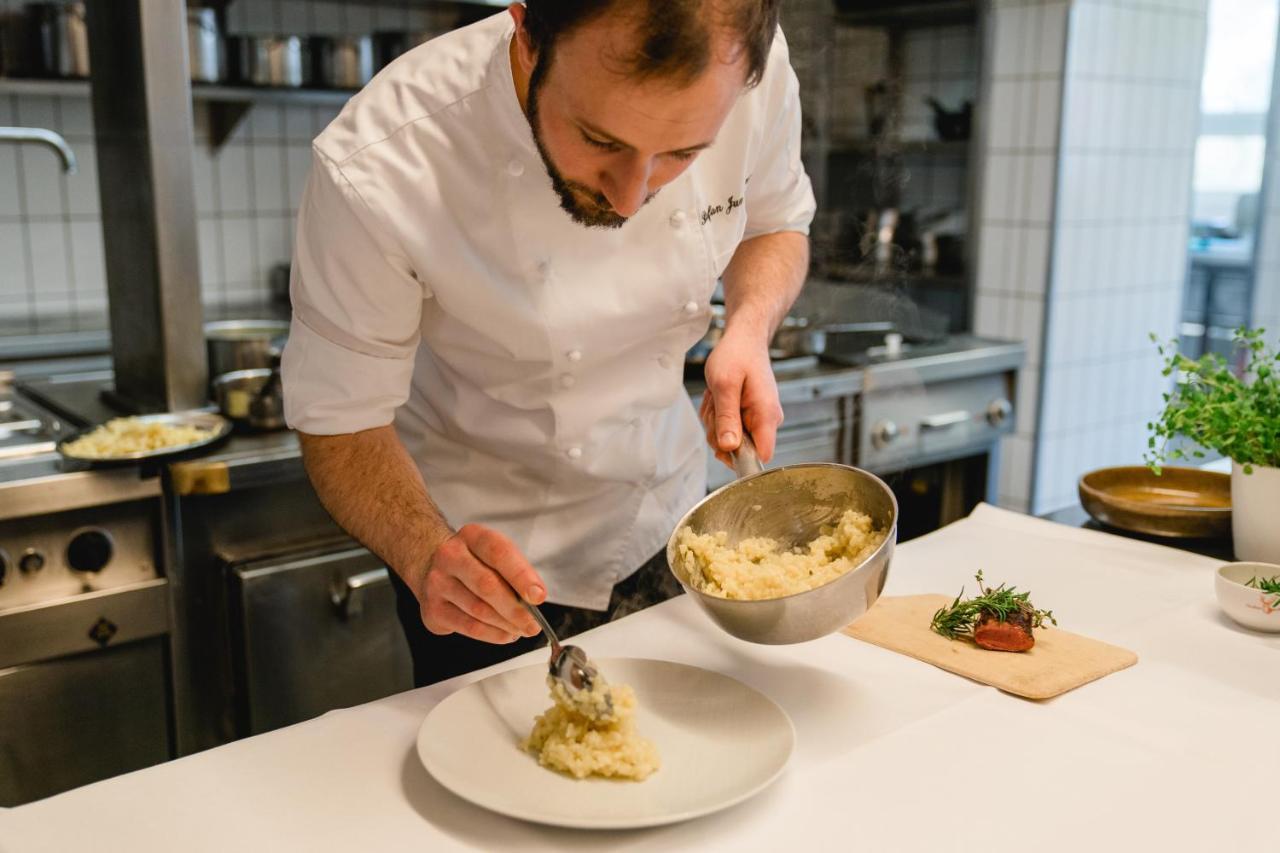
244, 361
242, 344
252, 398
791, 504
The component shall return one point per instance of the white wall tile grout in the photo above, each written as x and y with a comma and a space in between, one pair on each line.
50, 226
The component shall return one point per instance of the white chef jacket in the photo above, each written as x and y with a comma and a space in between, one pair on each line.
532, 367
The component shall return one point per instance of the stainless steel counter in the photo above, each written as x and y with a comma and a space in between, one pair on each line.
248, 460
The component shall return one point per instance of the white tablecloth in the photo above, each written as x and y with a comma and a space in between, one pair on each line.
1177, 753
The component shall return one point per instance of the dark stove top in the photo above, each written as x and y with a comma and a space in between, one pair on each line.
25, 429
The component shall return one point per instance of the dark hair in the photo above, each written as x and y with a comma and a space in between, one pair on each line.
673, 36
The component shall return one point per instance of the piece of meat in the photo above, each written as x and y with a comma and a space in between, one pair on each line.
1012, 635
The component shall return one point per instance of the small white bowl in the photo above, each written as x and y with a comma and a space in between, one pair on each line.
1251, 607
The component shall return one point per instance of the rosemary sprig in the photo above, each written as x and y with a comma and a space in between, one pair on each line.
960, 619
1269, 585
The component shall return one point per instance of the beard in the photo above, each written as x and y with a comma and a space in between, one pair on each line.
585, 206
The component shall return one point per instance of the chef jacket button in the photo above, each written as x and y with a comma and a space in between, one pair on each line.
677, 219
567, 380
574, 452
664, 361
515, 168
574, 355
691, 307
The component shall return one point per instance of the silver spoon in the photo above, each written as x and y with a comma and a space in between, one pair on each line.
571, 667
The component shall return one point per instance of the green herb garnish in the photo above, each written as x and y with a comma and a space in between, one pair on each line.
1236, 414
960, 619
1270, 585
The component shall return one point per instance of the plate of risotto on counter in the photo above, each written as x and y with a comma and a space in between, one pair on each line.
515, 744
141, 437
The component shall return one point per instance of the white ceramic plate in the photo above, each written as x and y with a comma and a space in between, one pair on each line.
719, 741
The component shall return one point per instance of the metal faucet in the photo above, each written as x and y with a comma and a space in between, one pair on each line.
45, 137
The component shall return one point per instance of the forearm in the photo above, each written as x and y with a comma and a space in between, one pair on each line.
372, 488
762, 281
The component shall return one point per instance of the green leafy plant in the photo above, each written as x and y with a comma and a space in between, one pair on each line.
963, 615
1237, 416
1271, 584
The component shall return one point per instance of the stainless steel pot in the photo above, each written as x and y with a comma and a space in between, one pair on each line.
251, 397
242, 344
341, 62
204, 46
59, 39
352, 65
791, 504
266, 61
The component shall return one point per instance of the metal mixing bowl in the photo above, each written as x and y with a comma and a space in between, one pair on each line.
791, 504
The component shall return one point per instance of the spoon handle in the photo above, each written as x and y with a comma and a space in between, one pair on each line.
746, 461
544, 625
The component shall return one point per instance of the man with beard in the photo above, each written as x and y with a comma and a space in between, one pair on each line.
507, 243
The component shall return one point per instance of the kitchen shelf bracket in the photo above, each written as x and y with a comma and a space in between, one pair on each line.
224, 117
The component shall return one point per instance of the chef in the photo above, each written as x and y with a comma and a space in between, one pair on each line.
507, 242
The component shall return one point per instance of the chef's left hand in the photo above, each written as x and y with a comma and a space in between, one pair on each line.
740, 389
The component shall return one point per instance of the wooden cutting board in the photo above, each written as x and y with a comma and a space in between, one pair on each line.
1059, 661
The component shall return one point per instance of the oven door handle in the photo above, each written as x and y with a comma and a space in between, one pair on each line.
348, 593
944, 420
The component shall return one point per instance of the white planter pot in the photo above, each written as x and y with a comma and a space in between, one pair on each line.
1255, 513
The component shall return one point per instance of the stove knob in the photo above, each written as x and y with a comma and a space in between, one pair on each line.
884, 433
31, 561
999, 411
90, 551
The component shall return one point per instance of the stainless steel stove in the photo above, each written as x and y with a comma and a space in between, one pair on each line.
84, 613
25, 429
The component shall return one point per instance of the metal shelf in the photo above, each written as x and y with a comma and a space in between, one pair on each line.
199, 92
899, 147
227, 105
912, 15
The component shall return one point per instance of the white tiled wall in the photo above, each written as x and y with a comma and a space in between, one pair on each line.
1129, 123
1023, 95
1090, 131
51, 259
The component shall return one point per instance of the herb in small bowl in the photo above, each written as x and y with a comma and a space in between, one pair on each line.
1250, 594
1000, 619
1269, 585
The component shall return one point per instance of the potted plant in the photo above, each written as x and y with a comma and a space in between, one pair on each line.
1236, 414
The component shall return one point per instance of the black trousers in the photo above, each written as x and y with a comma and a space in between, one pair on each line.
436, 658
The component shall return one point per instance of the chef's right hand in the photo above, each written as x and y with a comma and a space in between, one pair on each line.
464, 591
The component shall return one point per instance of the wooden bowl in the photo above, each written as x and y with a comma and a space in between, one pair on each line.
1185, 503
